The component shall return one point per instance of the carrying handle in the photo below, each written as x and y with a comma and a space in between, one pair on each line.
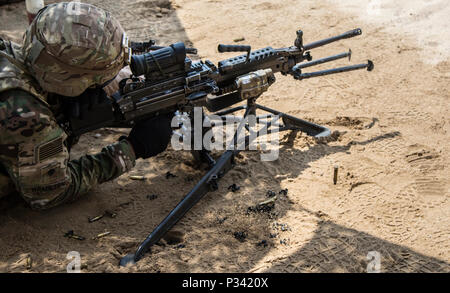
235, 48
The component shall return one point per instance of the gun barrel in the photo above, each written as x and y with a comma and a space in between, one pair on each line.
346, 35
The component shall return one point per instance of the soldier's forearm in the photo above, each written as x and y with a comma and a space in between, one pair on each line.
90, 170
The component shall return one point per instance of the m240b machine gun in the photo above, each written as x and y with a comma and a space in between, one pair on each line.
172, 82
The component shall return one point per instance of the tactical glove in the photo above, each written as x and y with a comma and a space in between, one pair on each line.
151, 137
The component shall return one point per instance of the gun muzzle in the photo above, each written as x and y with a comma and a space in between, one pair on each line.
346, 35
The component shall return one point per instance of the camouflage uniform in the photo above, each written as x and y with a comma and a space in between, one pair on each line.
58, 58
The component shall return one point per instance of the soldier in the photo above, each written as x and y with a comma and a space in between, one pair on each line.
70, 52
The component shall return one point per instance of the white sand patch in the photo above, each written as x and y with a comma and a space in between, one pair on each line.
428, 22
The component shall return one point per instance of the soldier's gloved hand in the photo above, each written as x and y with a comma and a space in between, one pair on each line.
151, 137
113, 86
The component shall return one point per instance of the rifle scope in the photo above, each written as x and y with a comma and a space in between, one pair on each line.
158, 60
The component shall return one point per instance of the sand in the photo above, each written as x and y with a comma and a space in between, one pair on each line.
424, 22
392, 194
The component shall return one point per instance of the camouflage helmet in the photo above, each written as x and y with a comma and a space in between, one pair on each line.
71, 46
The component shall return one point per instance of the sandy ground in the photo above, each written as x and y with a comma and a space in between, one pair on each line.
392, 194
425, 22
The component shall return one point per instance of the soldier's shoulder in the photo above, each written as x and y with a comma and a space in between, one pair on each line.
12, 72
21, 111
15, 98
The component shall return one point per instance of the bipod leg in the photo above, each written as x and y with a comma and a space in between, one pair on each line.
203, 155
294, 123
206, 184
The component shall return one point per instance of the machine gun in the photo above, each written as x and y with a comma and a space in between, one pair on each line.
172, 82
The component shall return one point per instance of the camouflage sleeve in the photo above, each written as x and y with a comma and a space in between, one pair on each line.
110, 163
34, 153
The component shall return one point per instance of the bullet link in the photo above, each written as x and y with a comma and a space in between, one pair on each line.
71, 234
110, 214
